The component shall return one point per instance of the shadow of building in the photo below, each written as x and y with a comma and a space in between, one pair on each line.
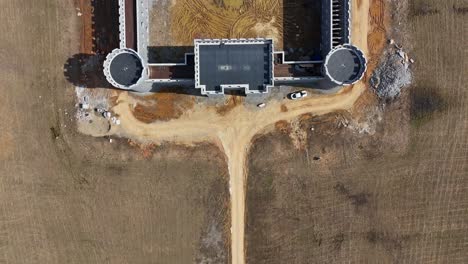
86, 68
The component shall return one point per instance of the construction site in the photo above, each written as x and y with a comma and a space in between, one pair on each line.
252, 65
220, 64
162, 131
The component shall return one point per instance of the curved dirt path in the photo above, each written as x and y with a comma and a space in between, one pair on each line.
235, 130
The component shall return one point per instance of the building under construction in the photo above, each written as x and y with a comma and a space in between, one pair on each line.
217, 65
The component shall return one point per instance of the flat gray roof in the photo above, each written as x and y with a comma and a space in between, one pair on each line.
235, 64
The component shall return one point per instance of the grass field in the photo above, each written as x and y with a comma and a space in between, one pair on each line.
399, 196
70, 198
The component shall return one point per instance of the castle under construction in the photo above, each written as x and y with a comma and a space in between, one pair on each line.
217, 65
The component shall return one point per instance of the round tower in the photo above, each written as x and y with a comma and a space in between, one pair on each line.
345, 65
124, 68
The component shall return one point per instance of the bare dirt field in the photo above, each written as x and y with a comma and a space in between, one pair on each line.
294, 25
70, 198
396, 195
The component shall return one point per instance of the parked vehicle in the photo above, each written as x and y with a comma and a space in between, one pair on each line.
297, 95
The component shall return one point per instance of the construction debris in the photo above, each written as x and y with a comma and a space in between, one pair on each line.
84, 106
92, 111
115, 121
107, 115
365, 125
100, 110
393, 74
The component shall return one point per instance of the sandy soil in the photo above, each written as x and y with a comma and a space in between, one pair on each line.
397, 195
70, 198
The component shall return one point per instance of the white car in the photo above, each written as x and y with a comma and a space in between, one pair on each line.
297, 95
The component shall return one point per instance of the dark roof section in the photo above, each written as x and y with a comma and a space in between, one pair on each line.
172, 72
181, 71
298, 70
235, 64
126, 69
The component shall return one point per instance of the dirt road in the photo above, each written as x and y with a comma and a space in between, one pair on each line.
235, 130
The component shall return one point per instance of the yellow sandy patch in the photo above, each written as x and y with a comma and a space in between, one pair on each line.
268, 30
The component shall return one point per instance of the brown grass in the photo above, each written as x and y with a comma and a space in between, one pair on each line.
146, 150
395, 197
